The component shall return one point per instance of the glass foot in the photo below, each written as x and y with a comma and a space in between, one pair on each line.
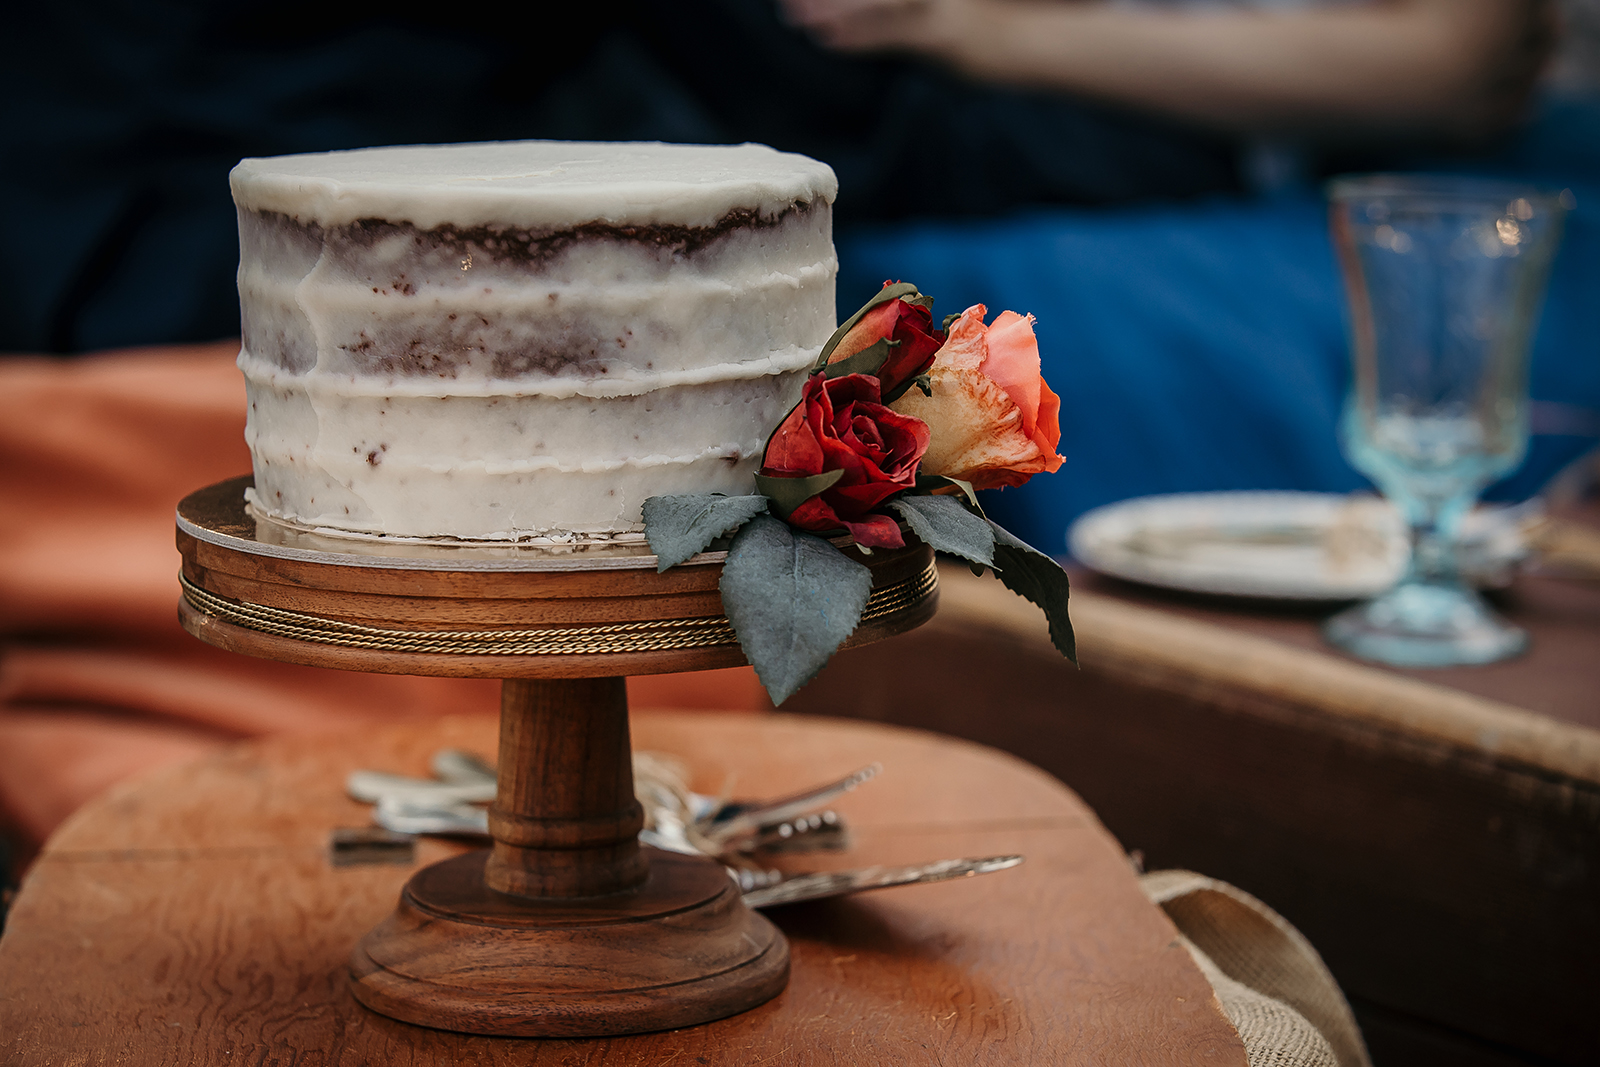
1419, 624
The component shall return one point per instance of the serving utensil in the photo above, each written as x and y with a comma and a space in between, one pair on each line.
799, 887
753, 820
761, 888
676, 820
402, 814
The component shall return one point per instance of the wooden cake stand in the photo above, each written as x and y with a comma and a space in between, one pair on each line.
567, 926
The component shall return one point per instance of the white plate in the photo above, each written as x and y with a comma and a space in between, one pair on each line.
1289, 546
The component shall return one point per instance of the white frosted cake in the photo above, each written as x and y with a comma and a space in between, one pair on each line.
504, 341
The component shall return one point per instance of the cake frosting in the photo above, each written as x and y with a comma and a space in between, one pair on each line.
527, 339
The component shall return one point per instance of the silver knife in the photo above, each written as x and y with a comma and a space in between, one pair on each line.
838, 883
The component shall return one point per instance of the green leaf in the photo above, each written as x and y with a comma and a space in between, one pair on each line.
677, 527
869, 360
1030, 573
948, 319
945, 525
787, 494
927, 483
792, 598
897, 291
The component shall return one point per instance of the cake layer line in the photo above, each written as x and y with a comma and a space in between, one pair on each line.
535, 293
261, 371
339, 464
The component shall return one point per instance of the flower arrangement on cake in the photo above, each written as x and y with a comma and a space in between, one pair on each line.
898, 425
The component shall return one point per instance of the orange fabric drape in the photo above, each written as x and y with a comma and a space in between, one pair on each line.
97, 680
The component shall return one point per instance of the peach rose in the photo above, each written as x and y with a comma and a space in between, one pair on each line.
994, 421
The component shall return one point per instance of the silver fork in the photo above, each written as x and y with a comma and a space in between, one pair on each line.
755, 819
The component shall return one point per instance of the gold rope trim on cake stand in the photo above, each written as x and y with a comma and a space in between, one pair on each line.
647, 636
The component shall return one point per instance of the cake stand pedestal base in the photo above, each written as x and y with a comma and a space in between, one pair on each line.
680, 950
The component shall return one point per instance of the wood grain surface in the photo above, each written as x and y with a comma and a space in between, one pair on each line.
565, 821
1441, 849
193, 918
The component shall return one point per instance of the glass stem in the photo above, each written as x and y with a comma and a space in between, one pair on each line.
1435, 529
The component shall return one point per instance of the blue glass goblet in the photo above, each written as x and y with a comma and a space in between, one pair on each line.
1444, 278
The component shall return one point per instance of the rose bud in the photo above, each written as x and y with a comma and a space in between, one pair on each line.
909, 325
994, 420
839, 425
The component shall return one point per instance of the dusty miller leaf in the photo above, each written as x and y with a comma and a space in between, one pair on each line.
945, 525
677, 527
787, 494
1030, 573
792, 598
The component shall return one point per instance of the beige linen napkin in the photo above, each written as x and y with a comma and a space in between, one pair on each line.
1271, 983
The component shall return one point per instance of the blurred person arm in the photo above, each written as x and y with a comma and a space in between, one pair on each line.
1457, 69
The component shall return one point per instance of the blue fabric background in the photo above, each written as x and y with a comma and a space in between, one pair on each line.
1203, 346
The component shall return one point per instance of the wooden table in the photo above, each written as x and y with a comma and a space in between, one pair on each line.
1440, 847
1559, 675
193, 918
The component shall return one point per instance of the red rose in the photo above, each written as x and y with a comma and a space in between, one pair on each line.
840, 425
909, 325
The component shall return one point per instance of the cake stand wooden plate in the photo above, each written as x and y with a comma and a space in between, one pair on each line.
566, 926
476, 609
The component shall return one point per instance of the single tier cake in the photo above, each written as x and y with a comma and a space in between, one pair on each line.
503, 341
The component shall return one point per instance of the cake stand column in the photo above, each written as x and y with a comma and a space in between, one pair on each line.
565, 820
567, 926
